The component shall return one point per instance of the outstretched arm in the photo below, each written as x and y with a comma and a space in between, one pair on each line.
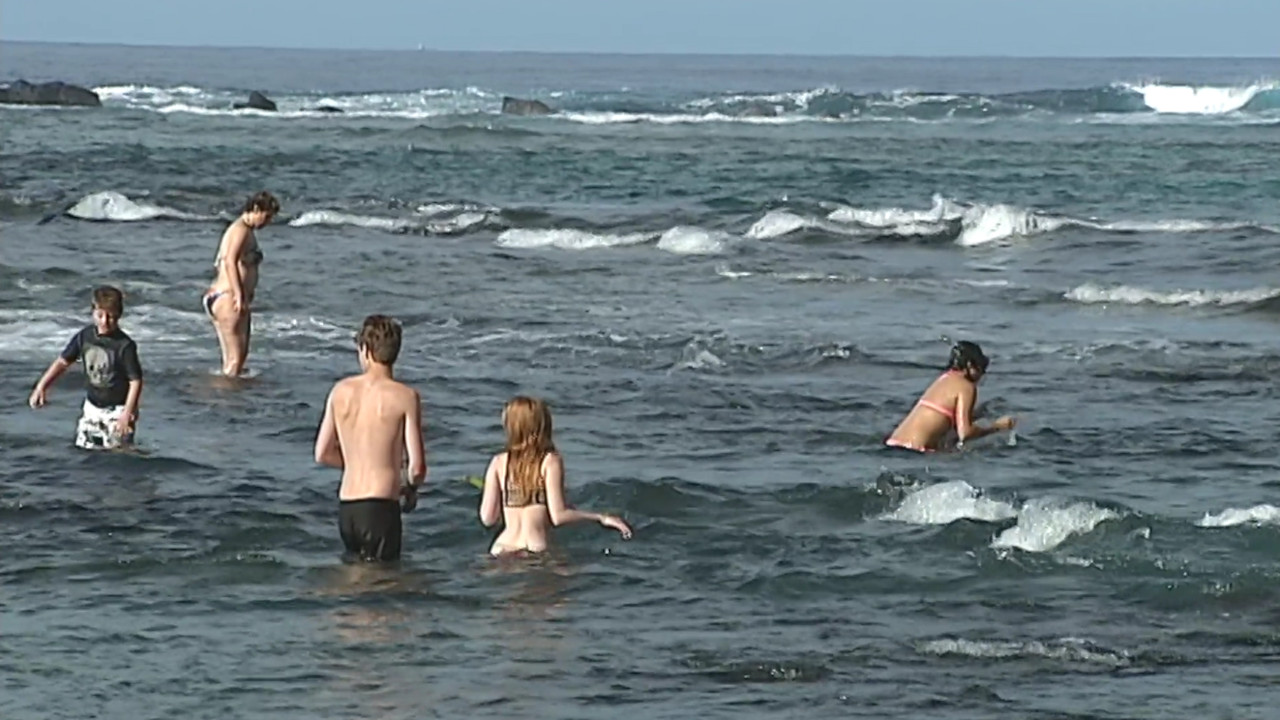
328, 451
561, 512
50, 376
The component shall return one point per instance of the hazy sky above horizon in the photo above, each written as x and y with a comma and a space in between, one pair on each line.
822, 27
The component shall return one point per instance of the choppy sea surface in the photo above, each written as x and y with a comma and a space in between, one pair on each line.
731, 276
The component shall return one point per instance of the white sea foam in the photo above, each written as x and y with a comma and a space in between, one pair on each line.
568, 239
338, 218
618, 117
981, 224
414, 104
1231, 517
1044, 524
688, 240
432, 224
113, 206
1199, 100
1090, 293
1065, 649
973, 224
947, 502
799, 98
777, 223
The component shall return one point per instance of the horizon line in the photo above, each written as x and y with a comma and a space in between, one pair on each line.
647, 53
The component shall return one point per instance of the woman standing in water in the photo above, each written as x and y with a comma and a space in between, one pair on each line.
229, 299
524, 486
948, 404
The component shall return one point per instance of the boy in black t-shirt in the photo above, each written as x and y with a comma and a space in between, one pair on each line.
113, 376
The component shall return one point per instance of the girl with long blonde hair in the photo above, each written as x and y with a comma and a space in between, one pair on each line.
524, 485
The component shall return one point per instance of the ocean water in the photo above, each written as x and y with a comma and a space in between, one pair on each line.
731, 276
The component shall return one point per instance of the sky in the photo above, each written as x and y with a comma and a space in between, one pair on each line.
1037, 28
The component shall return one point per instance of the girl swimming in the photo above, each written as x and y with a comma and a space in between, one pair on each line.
948, 405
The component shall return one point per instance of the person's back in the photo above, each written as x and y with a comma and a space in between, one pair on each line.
372, 428
527, 483
526, 519
370, 413
946, 408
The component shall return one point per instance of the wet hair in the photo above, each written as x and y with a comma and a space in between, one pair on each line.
263, 201
110, 299
380, 335
527, 421
965, 355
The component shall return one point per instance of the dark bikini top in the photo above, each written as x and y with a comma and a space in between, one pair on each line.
514, 496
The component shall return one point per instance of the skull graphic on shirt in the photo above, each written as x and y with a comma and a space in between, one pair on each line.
97, 366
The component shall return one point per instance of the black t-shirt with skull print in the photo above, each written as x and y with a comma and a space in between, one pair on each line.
110, 362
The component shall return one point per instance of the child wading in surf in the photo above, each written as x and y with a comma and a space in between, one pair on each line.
113, 376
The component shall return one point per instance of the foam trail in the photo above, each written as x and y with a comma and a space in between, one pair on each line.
777, 223
568, 239
984, 224
113, 206
971, 225
1044, 524
1231, 517
981, 224
428, 223
1066, 649
687, 240
1198, 100
337, 218
1126, 295
947, 502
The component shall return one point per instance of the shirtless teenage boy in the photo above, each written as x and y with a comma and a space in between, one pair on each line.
371, 422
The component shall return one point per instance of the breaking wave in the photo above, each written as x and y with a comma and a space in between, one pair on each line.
966, 224
1126, 295
821, 104
111, 206
1042, 524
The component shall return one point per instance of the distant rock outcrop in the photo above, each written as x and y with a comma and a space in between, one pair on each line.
257, 101
327, 109
52, 93
518, 106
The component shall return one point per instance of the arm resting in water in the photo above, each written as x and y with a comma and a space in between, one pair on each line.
966, 429
563, 514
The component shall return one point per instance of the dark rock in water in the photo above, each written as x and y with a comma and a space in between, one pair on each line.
517, 106
328, 109
759, 110
53, 93
257, 101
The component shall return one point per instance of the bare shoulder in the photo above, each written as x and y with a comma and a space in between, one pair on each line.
343, 388
234, 231
405, 394
553, 460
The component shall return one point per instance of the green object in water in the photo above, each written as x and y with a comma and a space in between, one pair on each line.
476, 481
